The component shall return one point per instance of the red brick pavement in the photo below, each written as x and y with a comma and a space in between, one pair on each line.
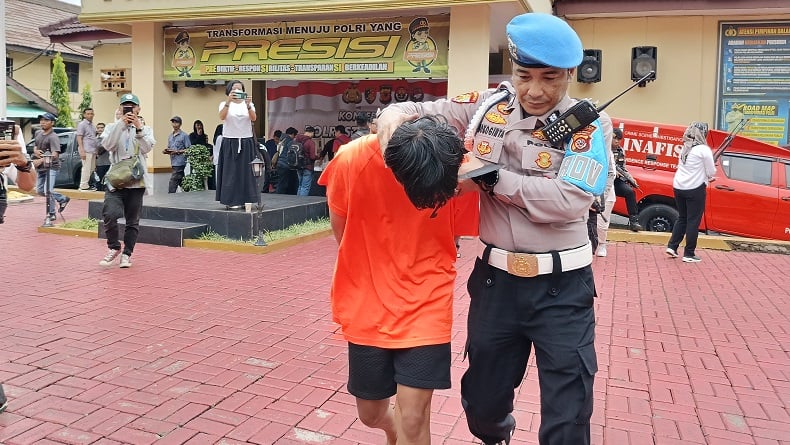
194, 346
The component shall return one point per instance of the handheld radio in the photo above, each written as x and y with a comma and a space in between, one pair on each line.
582, 114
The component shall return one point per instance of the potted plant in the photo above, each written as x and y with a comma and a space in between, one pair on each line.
201, 167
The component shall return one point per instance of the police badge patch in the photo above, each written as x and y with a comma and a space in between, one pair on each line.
543, 160
495, 118
580, 141
484, 148
466, 98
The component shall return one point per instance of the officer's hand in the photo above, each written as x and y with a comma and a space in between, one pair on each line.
389, 120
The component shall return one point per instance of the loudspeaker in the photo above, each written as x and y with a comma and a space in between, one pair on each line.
589, 71
643, 60
194, 84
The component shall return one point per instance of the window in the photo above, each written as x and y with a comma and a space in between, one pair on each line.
757, 171
787, 176
9, 67
73, 73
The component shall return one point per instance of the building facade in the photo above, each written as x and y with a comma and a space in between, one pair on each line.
29, 58
331, 56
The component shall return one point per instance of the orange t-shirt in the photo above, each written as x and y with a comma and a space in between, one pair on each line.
395, 271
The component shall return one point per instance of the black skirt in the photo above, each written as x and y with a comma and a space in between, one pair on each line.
235, 182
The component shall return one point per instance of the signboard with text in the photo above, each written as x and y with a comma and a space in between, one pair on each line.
400, 47
754, 79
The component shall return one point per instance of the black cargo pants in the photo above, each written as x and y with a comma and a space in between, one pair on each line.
507, 316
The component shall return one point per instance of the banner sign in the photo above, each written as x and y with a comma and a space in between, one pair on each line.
326, 104
754, 79
400, 47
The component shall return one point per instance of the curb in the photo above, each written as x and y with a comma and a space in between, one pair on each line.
83, 233
248, 248
662, 238
71, 193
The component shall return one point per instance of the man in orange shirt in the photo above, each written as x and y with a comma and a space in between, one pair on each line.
392, 289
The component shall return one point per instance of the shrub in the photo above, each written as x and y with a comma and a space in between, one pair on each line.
201, 167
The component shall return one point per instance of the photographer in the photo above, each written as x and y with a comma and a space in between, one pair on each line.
16, 166
124, 139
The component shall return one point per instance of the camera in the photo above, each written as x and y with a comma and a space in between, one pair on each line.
127, 109
8, 130
239, 94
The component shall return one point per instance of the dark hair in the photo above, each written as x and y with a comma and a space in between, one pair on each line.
278, 133
229, 86
361, 119
194, 126
86, 109
617, 133
292, 131
340, 128
424, 156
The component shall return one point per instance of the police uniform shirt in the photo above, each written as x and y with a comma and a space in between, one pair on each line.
531, 211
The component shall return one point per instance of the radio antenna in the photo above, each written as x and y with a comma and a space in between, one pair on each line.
601, 108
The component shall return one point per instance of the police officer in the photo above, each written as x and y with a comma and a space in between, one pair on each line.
624, 183
532, 284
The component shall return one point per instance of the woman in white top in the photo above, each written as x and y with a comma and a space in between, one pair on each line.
235, 182
695, 170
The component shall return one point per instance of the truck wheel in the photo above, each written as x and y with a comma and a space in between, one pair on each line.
658, 218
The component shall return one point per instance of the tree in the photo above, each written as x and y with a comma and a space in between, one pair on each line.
87, 99
59, 92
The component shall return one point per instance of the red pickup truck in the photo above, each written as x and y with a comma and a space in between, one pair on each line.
750, 196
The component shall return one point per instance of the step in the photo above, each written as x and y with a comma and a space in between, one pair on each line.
160, 232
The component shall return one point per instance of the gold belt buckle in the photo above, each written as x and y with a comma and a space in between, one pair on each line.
523, 265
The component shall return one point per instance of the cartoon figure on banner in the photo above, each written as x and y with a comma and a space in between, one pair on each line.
184, 55
370, 95
734, 116
417, 95
352, 95
385, 94
421, 49
401, 94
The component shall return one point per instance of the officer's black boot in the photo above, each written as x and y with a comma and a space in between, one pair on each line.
634, 225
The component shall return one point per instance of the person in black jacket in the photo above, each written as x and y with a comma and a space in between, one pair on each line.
286, 178
624, 183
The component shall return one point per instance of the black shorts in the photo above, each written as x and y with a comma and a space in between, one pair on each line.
374, 373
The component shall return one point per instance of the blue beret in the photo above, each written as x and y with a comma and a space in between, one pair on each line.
543, 40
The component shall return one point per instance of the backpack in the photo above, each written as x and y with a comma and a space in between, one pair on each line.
294, 155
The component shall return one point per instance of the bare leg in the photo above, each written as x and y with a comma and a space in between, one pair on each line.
378, 414
413, 415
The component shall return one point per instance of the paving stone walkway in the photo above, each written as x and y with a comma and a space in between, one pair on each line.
194, 346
